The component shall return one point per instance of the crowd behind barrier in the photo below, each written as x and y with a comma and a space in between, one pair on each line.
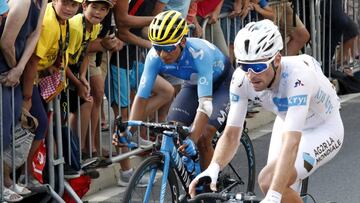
315, 27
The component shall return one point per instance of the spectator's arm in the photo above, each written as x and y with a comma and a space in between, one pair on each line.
15, 20
158, 8
266, 12
125, 35
214, 16
28, 79
244, 4
122, 18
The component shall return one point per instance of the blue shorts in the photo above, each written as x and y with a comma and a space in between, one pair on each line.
124, 89
183, 109
38, 111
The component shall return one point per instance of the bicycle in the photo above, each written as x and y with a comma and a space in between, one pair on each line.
242, 197
167, 165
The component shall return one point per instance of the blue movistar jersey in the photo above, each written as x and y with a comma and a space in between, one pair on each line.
200, 63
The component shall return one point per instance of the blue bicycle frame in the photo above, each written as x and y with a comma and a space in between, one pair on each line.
171, 158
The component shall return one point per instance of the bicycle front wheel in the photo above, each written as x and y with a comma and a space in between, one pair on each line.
151, 171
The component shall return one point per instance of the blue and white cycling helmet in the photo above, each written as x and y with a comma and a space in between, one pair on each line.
257, 41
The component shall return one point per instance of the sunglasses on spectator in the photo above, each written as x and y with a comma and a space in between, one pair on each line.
258, 67
166, 47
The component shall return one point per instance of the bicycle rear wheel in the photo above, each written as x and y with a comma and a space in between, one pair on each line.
239, 174
136, 190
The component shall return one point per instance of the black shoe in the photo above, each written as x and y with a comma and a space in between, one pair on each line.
70, 173
92, 173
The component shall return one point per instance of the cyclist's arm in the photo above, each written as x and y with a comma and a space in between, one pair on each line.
205, 89
227, 146
286, 161
148, 80
229, 141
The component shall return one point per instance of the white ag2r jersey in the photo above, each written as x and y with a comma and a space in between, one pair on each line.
303, 98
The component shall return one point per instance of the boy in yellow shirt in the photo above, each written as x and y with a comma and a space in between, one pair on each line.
49, 57
84, 28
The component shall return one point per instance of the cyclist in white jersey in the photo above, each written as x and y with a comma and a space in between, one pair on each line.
308, 130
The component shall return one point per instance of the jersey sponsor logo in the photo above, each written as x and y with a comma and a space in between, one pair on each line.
143, 81
321, 97
326, 148
298, 83
281, 103
284, 75
257, 99
223, 114
299, 100
170, 67
234, 97
309, 161
196, 53
203, 81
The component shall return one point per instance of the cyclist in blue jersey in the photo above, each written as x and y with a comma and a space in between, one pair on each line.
203, 99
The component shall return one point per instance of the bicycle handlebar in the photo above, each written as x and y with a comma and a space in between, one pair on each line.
224, 196
183, 131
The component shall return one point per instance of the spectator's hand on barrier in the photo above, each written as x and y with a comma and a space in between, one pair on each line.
109, 42
11, 78
255, 6
244, 8
212, 171
198, 31
84, 92
188, 148
84, 81
236, 9
118, 45
213, 17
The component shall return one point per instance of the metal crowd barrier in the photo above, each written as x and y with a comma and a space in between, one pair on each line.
55, 154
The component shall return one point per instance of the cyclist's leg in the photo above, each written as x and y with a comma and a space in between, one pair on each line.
183, 108
318, 146
162, 93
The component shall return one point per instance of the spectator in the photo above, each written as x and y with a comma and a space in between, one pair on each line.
20, 31
49, 58
105, 43
296, 33
238, 10
84, 28
260, 7
131, 20
210, 10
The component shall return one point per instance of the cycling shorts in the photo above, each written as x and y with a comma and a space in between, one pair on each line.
183, 108
317, 146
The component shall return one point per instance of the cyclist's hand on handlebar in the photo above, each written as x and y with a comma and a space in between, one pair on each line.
272, 197
212, 171
188, 147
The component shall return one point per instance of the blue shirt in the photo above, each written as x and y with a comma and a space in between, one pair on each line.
201, 63
3, 7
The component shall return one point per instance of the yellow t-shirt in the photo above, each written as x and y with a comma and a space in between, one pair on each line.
76, 36
47, 47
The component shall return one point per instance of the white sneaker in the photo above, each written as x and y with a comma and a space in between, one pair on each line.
124, 180
144, 142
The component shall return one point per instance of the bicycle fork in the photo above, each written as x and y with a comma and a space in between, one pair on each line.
152, 177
